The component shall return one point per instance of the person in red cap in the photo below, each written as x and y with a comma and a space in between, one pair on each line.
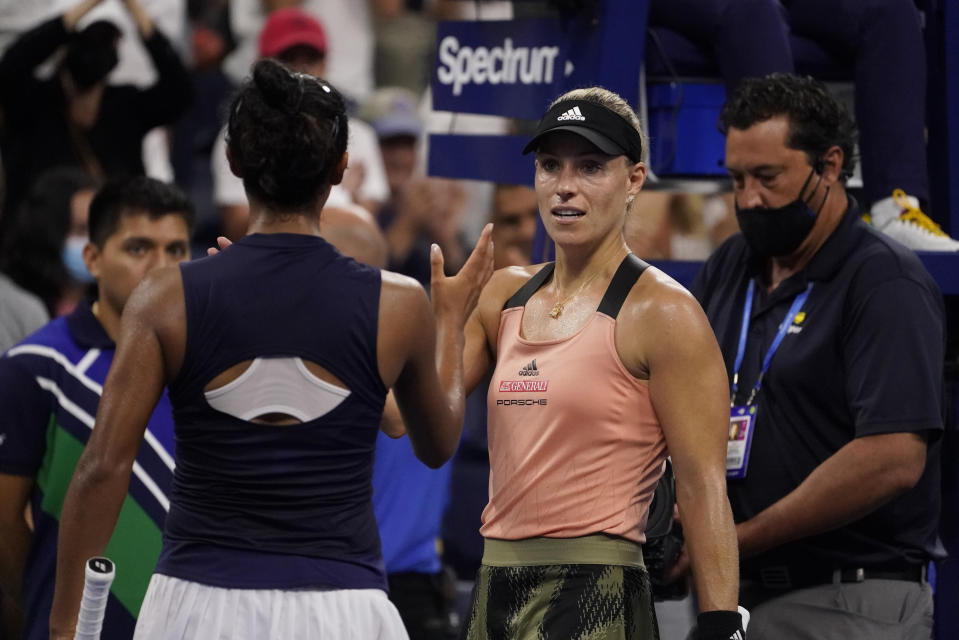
292, 35
298, 41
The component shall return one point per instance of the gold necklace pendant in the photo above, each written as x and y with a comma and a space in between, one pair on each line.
559, 306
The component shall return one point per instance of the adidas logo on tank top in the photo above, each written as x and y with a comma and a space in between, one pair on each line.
530, 369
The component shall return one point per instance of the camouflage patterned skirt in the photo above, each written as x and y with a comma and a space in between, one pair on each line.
590, 588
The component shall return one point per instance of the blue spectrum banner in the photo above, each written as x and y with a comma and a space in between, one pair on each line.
513, 67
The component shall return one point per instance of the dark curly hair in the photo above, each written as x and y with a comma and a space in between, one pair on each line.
287, 133
817, 121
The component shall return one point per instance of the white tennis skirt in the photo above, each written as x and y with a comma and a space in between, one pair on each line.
175, 609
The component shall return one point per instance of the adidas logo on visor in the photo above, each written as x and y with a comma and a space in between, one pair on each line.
572, 114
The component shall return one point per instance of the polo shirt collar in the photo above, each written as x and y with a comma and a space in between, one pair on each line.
87, 331
833, 253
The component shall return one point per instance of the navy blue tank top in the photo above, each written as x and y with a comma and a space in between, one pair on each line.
277, 507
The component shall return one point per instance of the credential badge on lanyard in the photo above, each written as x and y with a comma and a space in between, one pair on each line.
742, 418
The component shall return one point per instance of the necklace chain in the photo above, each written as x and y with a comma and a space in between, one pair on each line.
557, 309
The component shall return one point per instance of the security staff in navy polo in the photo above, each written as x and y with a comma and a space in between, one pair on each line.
833, 336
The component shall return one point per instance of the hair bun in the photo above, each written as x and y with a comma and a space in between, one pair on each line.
276, 84
286, 134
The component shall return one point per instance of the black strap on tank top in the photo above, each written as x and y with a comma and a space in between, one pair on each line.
619, 287
521, 297
622, 283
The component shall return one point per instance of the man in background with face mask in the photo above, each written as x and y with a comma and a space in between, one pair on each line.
833, 336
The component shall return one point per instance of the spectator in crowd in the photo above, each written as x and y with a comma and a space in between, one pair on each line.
354, 233
392, 112
21, 313
420, 210
833, 337
42, 245
409, 499
514, 219
883, 39
50, 388
134, 65
679, 226
193, 137
405, 46
348, 22
296, 39
74, 117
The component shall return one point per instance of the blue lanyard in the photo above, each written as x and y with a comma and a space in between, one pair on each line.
744, 330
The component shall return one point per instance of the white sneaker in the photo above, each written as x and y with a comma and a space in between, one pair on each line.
900, 218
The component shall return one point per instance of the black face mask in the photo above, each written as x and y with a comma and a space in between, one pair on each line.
779, 232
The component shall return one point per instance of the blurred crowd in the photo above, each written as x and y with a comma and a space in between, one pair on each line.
100, 89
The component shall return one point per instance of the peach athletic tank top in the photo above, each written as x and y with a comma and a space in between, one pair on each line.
575, 446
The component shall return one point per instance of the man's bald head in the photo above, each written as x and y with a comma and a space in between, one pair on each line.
354, 232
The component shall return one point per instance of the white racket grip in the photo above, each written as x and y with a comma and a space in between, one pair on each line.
96, 591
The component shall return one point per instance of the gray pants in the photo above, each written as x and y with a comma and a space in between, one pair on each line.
870, 610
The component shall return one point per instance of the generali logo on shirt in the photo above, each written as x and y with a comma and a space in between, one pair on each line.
523, 386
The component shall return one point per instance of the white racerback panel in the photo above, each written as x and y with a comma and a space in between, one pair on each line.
277, 385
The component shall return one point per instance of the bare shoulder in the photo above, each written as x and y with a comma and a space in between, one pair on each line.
404, 305
656, 297
398, 286
158, 299
659, 316
157, 308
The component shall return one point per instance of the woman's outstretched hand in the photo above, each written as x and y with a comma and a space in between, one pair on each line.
459, 294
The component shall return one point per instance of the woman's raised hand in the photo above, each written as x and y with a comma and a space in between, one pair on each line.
458, 294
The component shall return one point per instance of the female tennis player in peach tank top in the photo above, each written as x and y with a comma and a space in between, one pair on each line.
602, 366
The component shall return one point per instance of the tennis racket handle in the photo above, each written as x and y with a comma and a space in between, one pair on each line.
96, 591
